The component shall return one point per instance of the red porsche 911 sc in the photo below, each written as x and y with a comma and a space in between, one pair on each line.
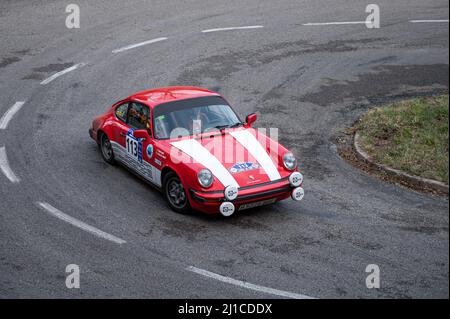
189, 143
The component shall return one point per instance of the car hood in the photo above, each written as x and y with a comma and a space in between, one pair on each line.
238, 157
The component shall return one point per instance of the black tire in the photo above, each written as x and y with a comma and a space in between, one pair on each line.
173, 190
106, 149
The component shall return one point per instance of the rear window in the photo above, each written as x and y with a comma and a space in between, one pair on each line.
121, 112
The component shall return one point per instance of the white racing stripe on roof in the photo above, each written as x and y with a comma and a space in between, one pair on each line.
200, 154
252, 145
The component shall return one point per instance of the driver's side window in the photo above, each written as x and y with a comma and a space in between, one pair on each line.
139, 117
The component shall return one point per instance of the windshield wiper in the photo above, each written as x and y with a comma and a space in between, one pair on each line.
222, 127
236, 124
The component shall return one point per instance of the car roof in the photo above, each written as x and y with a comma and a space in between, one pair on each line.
157, 96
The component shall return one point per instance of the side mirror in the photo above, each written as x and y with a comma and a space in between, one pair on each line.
140, 134
250, 119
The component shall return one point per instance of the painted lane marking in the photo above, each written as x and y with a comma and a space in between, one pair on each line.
247, 285
334, 23
58, 74
428, 21
4, 121
233, 28
254, 147
4, 167
75, 222
199, 153
136, 45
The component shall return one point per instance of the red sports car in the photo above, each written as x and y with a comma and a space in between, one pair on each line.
189, 143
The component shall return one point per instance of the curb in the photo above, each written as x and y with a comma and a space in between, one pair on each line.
411, 179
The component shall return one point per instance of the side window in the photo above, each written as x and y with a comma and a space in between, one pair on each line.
138, 116
121, 112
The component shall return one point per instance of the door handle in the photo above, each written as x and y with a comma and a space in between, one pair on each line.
123, 134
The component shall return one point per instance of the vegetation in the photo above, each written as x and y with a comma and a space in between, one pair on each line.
411, 136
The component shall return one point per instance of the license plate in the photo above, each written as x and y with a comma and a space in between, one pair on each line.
257, 204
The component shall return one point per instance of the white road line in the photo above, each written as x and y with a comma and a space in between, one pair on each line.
247, 285
428, 21
136, 45
58, 74
75, 222
4, 121
334, 23
233, 28
4, 167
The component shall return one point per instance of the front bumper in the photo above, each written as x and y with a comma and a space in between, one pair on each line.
210, 201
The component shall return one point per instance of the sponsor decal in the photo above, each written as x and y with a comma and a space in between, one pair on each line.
243, 167
197, 126
161, 154
158, 162
150, 150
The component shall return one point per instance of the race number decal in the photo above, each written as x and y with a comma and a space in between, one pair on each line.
133, 147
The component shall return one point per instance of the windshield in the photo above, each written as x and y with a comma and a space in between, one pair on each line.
193, 116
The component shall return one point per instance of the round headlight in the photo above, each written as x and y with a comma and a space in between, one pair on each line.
289, 161
205, 178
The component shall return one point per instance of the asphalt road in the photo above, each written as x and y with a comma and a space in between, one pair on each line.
309, 81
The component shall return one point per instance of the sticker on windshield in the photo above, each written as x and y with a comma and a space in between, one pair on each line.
196, 126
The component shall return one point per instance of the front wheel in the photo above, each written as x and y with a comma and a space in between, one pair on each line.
106, 149
175, 194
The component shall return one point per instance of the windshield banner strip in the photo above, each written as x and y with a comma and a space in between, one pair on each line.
252, 145
200, 154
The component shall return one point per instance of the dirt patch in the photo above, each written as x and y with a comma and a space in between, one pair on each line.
7, 61
345, 146
40, 73
383, 80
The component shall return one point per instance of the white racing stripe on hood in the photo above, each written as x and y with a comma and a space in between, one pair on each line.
252, 145
200, 154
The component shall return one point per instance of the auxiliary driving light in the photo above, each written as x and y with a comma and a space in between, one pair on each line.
227, 209
297, 194
296, 179
231, 192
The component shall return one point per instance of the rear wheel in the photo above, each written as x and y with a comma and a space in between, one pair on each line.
175, 193
106, 149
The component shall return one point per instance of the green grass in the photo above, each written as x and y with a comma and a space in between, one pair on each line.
411, 136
